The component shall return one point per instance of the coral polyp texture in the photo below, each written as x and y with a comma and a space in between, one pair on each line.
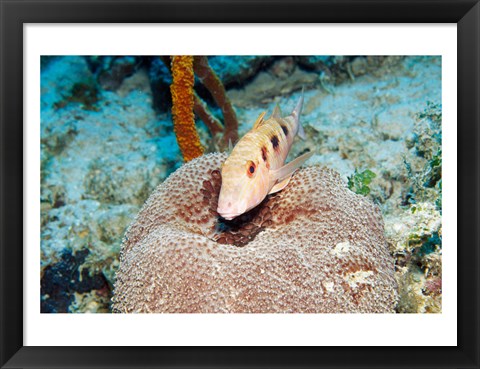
314, 247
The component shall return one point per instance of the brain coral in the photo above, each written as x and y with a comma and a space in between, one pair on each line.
314, 247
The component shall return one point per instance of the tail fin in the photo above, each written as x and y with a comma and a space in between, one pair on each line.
296, 115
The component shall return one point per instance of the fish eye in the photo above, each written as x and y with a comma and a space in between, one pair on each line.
251, 168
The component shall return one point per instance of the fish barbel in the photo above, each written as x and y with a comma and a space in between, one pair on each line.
256, 166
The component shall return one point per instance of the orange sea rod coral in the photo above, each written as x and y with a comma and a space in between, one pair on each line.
211, 81
182, 107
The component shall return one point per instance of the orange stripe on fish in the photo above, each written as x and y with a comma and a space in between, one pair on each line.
256, 166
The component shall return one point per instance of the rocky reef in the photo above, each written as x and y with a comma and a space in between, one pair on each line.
100, 160
107, 142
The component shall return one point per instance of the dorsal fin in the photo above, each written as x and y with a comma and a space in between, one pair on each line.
259, 120
276, 112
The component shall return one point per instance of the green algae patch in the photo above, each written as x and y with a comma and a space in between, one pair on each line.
358, 182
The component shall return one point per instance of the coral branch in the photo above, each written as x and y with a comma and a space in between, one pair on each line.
201, 110
211, 81
182, 107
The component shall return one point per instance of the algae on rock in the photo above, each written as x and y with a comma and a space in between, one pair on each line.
101, 155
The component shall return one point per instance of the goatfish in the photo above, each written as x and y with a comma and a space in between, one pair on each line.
256, 165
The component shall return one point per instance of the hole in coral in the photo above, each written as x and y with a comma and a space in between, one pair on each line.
244, 228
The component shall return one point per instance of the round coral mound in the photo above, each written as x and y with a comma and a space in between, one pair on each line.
314, 247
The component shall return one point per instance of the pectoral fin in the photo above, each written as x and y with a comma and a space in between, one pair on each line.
287, 170
280, 185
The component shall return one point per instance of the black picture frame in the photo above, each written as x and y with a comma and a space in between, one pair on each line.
14, 13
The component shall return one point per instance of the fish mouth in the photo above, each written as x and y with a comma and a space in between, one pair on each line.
228, 216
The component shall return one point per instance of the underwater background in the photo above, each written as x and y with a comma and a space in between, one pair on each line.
108, 139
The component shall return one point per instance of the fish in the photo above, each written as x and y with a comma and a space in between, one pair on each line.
256, 165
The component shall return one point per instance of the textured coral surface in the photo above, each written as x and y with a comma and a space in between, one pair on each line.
314, 247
